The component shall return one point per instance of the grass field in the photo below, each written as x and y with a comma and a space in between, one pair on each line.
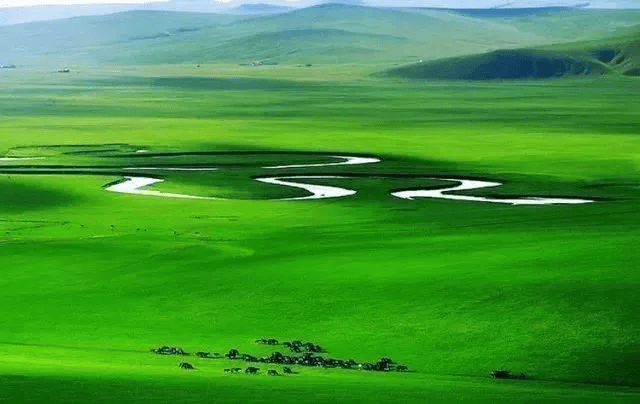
93, 280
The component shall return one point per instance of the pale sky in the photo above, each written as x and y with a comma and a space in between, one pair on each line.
27, 3
432, 3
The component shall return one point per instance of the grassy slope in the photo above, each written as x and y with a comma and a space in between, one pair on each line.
450, 288
321, 34
576, 25
619, 55
66, 40
367, 33
362, 33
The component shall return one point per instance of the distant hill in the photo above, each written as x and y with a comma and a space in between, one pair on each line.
72, 39
614, 56
497, 12
561, 24
337, 33
258, 9
21, 15
326, 33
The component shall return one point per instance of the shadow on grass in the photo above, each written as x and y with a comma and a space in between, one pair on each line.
18, 197
205, 83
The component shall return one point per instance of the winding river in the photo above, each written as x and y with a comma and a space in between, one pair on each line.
173, 168
19, 158
466, 185
317, 191
348, 160
134, 184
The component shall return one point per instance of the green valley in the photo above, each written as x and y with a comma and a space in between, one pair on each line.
92, 280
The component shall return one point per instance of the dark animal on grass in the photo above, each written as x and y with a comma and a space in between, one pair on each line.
273, 372
232, 354
385, 359
277, 357
169, 350
186, 365
383, 364
311, 347
287, 370
299, 346
267, 341
251, 370
500, 374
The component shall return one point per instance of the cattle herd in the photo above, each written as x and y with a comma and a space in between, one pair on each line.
303, 354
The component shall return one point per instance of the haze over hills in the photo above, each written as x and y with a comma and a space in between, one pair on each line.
616, 57
331, 33
258, 9
75, 39
17, 15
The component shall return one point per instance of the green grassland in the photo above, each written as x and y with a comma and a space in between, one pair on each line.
92, 280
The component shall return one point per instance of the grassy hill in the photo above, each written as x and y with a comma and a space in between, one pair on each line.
554, 23
328, 33
613, 56
367, 34
258, 9
73, 39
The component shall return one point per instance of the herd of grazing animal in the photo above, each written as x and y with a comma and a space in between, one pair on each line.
169, 350
308, 357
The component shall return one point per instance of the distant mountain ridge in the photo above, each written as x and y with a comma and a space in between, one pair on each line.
325, 33
498, 12
258, 9
618, 56
18, 15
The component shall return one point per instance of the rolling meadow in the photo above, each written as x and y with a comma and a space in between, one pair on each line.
92, 280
